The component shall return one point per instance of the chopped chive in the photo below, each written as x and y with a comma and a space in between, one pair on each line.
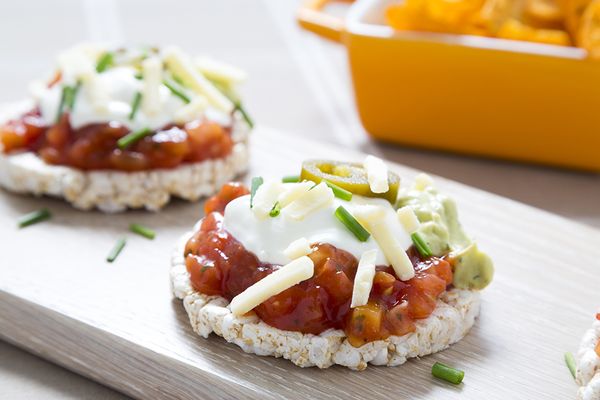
61, 105
178, 80
142, 231
138, 76
116, 250
132, 137
256, 182
447, 373
72, 94
67, 99
339, 192
570, 361
245, 115
421, 245
104, 62
352, 224
176, 91
34, 217
275, 211
237, 104
135, 105
290, 179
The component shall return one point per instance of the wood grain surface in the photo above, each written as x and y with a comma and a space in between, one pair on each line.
119, 324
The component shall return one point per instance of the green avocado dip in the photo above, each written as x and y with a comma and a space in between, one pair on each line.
442, 231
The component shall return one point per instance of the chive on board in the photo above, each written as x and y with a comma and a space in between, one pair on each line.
34, 217
142, 231
116, 250
570, 361
447, 373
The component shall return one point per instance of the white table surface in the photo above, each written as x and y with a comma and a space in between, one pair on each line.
299, 84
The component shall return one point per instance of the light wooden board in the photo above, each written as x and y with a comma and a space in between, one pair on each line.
119, 324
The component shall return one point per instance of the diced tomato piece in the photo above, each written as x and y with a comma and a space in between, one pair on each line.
332, 278
208, 140
229, 192
364, 324
428, 283
128, 160
12, 137
212, 222
399, 321
58, 134
205, 277
420, 305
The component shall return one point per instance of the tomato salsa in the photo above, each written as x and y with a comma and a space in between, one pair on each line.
94, 146
220, 265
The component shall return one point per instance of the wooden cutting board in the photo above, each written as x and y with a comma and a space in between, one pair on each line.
119, 324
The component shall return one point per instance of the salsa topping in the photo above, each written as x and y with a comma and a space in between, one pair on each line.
97, 146
220, 265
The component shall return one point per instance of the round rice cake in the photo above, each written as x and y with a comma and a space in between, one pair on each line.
452, 319
588, 364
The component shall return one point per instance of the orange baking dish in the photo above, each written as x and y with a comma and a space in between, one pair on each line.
468, 94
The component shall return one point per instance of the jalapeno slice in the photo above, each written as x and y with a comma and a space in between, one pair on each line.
349, 176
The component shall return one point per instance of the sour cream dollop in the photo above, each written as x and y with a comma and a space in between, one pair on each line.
268, 238
120, 86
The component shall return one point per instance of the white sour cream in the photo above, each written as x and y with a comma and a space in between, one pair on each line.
120, 86
268, 238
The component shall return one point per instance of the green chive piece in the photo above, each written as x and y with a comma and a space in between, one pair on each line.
421, 245
138, 76
142, 231
352, 224
176, 91
291, 179
447, 373
339, 192
237, 104
71, 95
132, 137
116, 250
245, 115
256, 182
104, 62
178, 80
570, 361
61, 105
135, 105
67, 99
275, 211
34, 217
